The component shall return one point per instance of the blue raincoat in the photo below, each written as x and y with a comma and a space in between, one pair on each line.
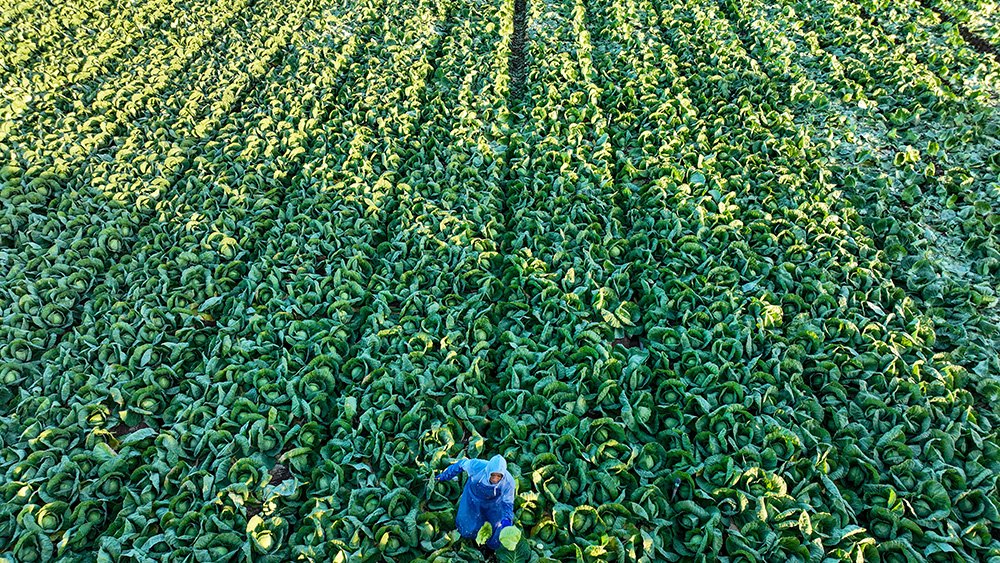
481, 500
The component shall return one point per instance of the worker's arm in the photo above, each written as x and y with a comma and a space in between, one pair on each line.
453, 470
507, 503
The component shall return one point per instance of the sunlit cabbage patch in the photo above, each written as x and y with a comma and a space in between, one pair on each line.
719, 285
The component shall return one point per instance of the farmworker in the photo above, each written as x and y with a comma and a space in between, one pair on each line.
488, 496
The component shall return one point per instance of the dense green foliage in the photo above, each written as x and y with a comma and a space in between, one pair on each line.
721, 285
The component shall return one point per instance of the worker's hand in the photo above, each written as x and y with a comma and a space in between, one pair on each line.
506, 522
451, 473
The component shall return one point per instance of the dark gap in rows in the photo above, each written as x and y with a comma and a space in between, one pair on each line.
517, 67
980, 45
517, 70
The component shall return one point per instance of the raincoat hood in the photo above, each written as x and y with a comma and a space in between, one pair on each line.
497, 464
484, 488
